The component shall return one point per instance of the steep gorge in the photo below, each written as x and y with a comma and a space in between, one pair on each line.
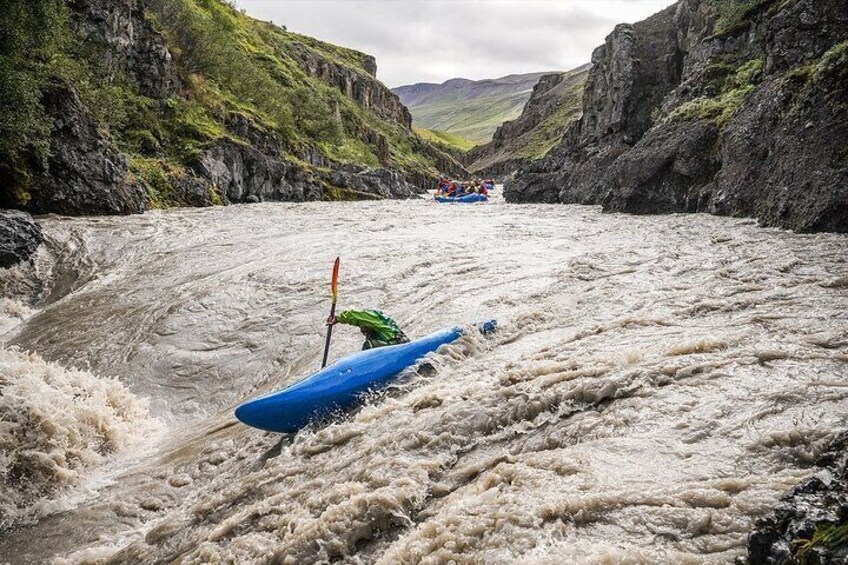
722, 106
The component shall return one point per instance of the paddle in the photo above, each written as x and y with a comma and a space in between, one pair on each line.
335, 287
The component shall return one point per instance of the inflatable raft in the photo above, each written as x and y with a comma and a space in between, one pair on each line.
341, 385
466, 199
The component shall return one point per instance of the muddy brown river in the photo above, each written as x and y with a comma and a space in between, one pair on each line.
655, 385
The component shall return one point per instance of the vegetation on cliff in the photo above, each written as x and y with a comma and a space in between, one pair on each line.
196, 72
447, 140
712, 106
32, 39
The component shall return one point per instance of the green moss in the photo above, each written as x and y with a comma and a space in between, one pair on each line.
834, 63
832, 67
22, 195
735, 89
734, 16
337, 193
749, 73
718, 110
215, 197
155, 176
830, 536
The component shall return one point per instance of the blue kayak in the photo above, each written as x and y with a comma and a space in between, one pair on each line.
341, 385
468, 198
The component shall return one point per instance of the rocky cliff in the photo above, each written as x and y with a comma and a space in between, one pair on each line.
556, 101
363, 87
154, 103
733, 107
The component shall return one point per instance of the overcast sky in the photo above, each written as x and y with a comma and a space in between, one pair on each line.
435, 40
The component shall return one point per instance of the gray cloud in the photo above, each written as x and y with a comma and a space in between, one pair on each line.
432, 41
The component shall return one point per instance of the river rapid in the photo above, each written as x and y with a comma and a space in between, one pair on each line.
657, 382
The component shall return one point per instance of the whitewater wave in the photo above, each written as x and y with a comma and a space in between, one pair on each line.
55, 425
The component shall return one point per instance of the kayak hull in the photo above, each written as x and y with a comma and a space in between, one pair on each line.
467, 199
339, 386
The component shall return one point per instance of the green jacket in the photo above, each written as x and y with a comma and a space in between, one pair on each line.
380, 327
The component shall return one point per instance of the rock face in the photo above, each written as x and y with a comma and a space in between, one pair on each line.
555, 103
85, 173
127, 41
810, 523
241, 173
361, 87
704, 109
19, 237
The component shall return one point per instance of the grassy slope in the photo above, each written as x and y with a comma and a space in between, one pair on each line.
475, 120
536, 143
269, 86
443, 138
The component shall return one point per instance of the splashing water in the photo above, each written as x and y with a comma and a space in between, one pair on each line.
655, 385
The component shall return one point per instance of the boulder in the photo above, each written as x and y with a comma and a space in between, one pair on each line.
20, 236
817, 505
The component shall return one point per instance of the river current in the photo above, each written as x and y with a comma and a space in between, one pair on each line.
657, 382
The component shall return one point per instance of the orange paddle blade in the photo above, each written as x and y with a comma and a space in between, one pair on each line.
336, 279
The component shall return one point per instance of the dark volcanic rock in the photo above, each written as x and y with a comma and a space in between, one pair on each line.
385, 183
242, 173
666, 171
784, 156
680, 116
818, 503
19, 237
85, 173
127, 41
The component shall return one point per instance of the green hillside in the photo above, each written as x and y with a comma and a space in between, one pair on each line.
451, 141
232, 69
472, 110
535, 143
475, 120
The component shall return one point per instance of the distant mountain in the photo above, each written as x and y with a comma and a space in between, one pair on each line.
469, 109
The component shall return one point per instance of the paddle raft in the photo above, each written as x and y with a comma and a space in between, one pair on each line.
465, 199
343, 384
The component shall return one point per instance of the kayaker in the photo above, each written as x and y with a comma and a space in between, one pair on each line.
379, 330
